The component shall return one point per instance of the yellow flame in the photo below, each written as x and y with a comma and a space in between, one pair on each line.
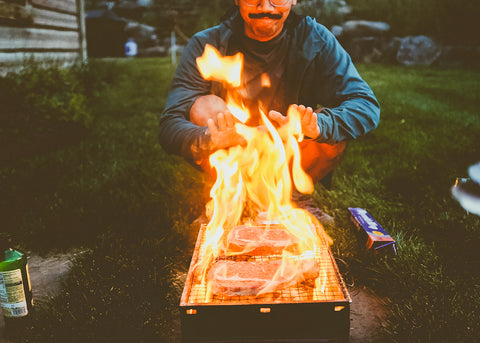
213, 66
238, 112
256, 178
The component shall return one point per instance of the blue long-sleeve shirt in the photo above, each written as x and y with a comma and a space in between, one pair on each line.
318, 72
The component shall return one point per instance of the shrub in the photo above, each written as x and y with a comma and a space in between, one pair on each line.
39, 101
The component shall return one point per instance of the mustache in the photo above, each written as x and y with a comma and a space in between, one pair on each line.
264, 15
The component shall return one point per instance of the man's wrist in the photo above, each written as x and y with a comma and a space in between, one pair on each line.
202, 146
210, 146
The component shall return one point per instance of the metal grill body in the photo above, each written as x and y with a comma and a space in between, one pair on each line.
306, 312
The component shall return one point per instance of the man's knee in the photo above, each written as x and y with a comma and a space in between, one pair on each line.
320, 159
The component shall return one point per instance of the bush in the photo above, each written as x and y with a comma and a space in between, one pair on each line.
38, 101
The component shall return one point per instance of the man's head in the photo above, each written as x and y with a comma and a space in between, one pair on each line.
264, 19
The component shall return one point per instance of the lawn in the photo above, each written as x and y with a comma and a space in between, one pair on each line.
116, 193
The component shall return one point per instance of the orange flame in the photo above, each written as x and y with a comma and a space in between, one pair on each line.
257, 179
265, 79
213, 66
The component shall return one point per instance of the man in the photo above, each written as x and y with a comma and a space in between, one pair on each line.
306, 67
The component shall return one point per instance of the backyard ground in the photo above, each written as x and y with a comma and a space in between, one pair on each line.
115, 195
48, 273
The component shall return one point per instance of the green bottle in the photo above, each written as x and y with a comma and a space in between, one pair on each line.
15, 290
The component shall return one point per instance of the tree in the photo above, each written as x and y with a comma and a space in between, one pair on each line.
186, 16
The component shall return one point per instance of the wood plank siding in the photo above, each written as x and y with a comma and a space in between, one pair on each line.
49, 31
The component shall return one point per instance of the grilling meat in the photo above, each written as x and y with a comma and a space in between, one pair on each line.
254, 240
234, 278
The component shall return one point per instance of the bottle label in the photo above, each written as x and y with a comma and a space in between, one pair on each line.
12, 294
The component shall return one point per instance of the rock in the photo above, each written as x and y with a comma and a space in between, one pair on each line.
334, 10
459, 56
364, 40
46, 274
390, 50
418, 50
337, 30
46, 277
144, 35
361, 28
364, 49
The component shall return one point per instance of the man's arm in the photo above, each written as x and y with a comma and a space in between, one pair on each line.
308, 119
195, 123
177, 134
212, 111
352, 108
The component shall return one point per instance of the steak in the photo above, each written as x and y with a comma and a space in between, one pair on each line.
234, 278
255, 240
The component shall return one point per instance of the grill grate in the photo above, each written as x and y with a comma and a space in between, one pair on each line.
314, 311
329, 286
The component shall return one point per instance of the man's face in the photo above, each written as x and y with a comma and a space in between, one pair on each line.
263, 21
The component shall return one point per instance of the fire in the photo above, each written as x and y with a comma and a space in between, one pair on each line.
215, 67
265, 79
255, 181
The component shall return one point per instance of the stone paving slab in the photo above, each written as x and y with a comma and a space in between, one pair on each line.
46, 275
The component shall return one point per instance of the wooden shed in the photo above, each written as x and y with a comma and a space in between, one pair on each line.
49, 31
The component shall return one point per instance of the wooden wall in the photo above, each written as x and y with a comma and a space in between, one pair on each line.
49, 31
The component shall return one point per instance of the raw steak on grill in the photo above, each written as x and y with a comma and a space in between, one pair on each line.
233, 278
255, 240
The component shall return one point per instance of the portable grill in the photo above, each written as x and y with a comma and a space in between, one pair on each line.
316, 311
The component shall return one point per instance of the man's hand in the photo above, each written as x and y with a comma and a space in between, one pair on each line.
212, 111
225, 136
308, 119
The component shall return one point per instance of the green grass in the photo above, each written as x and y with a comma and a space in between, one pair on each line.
402, 174
118, 194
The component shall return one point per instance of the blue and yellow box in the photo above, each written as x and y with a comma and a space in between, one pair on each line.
377, 238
